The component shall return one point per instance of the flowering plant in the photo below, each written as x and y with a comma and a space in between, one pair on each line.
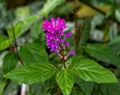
74, 69
56, 38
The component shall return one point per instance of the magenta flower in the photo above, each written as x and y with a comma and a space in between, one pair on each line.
56, 37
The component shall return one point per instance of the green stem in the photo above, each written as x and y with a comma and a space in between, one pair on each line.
16, 46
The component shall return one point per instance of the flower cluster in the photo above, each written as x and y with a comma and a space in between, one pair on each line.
56, 37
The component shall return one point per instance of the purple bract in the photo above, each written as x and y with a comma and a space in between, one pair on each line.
56, 37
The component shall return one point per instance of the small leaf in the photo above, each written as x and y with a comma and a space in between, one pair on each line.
33, 53
89, 70
32, 73
5, 42
103, 53
17, 29
65, 80
9, 62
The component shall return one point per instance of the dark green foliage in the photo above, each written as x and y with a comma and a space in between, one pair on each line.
9, 62
25, 57
33, 53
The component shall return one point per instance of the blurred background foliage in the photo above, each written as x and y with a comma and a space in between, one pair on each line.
96, 21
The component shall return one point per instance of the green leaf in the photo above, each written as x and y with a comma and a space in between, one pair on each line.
21, 26
33, 53
77, 59
9, 62
49, 6
65, 80
87, 87
115, 44
89, 70
86, 28
17, 29
5, 42
32, 73
103, 53
109, 89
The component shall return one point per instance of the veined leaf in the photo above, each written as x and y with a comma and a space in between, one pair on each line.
5, 42
103, 53
89, 70
32, 73
16, 29
9, 62
33, 53
65, 80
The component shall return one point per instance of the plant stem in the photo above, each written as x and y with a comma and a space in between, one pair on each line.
93, 7
63, 62
16, 46
77, 26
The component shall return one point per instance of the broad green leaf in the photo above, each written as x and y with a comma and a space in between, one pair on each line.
5, 42
33, 53
77, 59
65, 79
87, 87
9, 62
85, 33
32, 73
49, 6
89, 70
103, 53
108, 89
